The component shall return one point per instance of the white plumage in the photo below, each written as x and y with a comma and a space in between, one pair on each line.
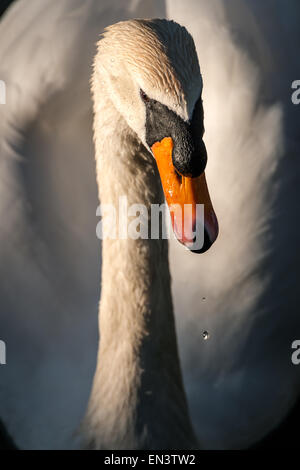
240, 382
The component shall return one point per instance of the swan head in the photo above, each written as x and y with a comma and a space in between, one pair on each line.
151, 73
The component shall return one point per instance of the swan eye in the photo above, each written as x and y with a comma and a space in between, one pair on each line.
144, 97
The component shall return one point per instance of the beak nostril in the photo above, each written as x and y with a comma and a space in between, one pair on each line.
178, 176
192, 169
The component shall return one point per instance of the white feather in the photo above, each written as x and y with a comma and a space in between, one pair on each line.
240, 382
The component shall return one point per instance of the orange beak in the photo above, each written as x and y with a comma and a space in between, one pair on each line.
194, 227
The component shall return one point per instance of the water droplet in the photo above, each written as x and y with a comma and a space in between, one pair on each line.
203, 299
205, 335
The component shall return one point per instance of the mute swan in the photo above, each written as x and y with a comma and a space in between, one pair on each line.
147, 95
239, 383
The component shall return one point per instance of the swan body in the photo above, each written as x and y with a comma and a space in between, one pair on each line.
49, 199
138, 377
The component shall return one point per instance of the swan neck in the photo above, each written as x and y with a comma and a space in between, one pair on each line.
138, 399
